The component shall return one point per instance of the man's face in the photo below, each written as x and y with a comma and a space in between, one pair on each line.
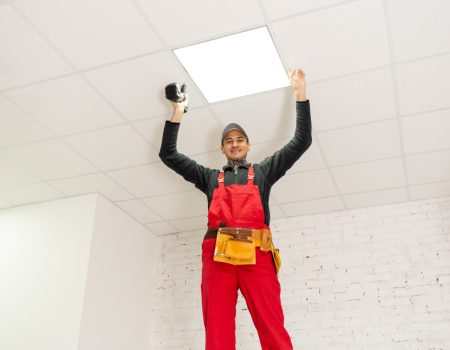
235, 146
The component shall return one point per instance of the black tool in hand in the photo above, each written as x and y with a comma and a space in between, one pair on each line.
176, 93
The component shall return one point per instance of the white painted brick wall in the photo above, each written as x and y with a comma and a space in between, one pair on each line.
372, 278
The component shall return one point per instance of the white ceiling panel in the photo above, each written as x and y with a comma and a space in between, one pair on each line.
371, 176
264, 117
429, 167
150, 180
258, 152
4, 203
346, 39
152, 129
199, 132
369, 199
303, 186
430, 91
313, 206
212, 160
138, 210
30, 193
11, 175
109, 30
356, 144
179, 205
91, 183
136, 87
344, 101
276, 9
26, 57
12, 130
189, 224
310, 160
49, 159
419, 28
66, 105
82, 105
114, 147
212, 18
426, 132
438, 189
161, 228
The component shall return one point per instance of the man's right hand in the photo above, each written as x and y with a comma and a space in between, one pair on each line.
178, 109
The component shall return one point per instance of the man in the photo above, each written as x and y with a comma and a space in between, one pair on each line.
238, 197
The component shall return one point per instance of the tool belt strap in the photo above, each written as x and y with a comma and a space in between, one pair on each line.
262, 237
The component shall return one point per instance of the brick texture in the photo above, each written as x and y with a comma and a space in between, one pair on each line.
371, 278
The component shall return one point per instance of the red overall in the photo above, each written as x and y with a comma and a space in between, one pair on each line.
240, 206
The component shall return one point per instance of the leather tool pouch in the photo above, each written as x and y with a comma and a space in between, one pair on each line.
235, 246
276, 259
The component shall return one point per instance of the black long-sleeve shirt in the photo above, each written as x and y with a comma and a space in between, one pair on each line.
266, 173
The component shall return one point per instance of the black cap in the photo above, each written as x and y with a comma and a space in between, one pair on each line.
233, 126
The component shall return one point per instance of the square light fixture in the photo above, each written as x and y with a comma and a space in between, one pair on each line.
236, 65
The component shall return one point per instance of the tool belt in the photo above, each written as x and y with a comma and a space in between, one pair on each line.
237, 246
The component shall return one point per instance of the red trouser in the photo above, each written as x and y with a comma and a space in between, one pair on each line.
259, 286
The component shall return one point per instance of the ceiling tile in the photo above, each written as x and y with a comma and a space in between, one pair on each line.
277, 9
190, 224
5, 204
264, 117
419, 28
26, 57
30, 193
426, 132
312, 206
432, 91
344, 101
114, 147
302, 186
138, 210
49, 159
179, 205
258, 152
150, 180
346, 39
136, 87
91, 183
199, 132
161, 228
152, 129
13, 120
109, 30
310, 160
369, 199
361, 143
192, 18
428, 167
66, 105
438, 189
12, 175
371, 176
212, 160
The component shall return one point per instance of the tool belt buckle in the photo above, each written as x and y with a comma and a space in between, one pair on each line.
235, 245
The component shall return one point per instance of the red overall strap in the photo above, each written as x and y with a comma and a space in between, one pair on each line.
251, 176
221, 179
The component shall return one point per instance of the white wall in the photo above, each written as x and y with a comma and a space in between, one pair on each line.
120, 283
44, 255
76, 273
374, 278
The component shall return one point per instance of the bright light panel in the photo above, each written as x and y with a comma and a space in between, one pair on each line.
235, 65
